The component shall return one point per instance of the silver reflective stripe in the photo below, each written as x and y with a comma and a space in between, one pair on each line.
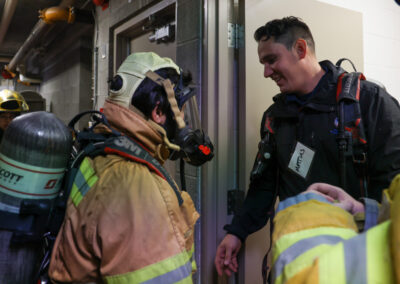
371, 213
81, 183
355, 255
300, 198
301, 247
9, 208
173, 276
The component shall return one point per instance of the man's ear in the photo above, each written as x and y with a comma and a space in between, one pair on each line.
301, 48
157, 115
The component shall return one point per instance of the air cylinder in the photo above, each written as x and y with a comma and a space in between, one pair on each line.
34, 154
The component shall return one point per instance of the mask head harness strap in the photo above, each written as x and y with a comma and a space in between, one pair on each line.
166, 83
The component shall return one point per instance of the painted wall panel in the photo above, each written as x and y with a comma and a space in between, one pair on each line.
381, 24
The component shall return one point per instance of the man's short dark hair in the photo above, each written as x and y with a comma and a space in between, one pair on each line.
285, 31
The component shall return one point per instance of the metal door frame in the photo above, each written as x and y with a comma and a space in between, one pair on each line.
223, 93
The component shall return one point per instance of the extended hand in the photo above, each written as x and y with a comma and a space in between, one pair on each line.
226, 256
338, 196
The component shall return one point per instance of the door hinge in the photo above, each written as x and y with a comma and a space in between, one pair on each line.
235, 200
235, 35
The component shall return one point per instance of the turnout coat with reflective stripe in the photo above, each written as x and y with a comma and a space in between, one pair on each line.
123, 222
316, 242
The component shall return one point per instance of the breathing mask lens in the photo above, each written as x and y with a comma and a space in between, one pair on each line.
182, 93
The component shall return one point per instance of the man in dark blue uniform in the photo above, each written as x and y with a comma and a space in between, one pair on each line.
299, 133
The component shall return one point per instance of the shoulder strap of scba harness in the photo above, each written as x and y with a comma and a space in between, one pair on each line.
129, 149
115, 143
351, 135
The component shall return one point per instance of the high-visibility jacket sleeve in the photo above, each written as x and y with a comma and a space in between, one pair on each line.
317, 242
305, 227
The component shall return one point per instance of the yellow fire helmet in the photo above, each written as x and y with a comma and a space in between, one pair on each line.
12, 101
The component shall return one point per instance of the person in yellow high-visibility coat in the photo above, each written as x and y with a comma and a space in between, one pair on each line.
316, 237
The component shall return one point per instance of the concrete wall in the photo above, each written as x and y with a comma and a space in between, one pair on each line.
9, 84
6, 84
67, 77
381, 24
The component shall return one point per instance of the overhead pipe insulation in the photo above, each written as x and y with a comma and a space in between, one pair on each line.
39, 29
8, 13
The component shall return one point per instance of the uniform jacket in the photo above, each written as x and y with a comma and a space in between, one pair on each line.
317, 242
123, 222
313, 123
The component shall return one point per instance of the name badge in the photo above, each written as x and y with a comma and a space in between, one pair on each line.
301, 160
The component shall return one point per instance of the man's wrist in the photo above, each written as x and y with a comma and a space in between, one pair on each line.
240, 233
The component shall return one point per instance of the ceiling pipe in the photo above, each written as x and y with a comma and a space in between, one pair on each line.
8, 13
39, 29
57, 14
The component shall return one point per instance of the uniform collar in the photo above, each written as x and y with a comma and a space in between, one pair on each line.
323, 97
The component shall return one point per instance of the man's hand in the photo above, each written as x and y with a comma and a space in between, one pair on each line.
226, 256
338, 196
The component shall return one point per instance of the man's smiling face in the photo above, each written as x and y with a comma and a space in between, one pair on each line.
280, 64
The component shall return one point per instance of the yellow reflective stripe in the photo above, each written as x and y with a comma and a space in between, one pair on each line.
379, 259
194, 265
85, 178
288, 240
163, 267
76, 196
332, 267
301, 262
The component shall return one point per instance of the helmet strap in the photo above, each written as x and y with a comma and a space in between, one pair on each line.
168, 87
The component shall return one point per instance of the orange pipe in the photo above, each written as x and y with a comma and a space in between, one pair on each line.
39, 29
57, 14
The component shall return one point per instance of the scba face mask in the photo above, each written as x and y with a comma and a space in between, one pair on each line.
192, 145
196, 147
